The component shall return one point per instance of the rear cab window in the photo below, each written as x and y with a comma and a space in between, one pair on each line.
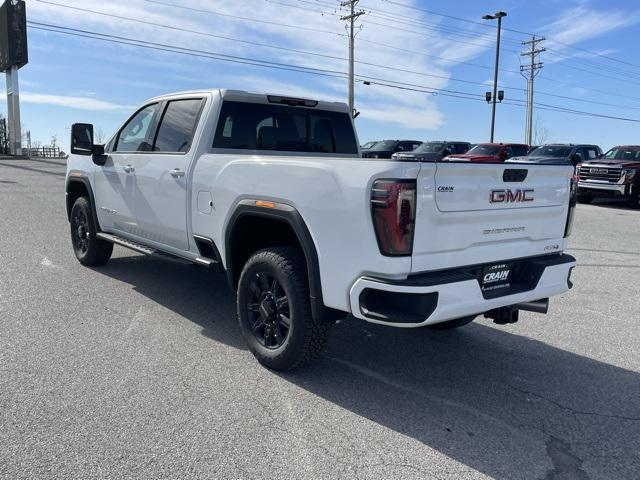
178, 125
284, 128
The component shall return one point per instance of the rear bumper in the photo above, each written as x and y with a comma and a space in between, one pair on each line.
440, 296
603, 189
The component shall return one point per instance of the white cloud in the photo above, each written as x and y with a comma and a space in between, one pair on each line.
583, 23
80, 103
401, 107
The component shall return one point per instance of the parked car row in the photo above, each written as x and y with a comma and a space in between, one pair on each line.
612, 174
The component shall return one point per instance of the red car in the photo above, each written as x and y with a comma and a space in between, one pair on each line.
490, 153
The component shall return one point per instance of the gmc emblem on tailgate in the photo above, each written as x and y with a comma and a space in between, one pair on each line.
510, 196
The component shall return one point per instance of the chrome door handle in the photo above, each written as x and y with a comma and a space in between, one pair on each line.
128, 168
176, 172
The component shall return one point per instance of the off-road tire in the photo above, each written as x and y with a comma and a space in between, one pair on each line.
306, 336
88, 248
451, 324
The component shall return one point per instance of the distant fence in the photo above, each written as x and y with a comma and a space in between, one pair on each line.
44, 152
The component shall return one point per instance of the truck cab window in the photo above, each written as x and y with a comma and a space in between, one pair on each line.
134, 136
178, 125
255, 126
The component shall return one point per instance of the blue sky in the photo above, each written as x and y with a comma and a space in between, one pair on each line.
72, 79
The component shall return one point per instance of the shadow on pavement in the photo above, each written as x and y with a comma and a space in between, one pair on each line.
502, 404
612, 203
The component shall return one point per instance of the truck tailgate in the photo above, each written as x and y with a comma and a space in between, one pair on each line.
470, 214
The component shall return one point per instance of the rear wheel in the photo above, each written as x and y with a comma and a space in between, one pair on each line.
451, 324
89, 249
274, 310
585, 199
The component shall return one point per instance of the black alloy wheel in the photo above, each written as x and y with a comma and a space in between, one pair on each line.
268, 310
88, 248
274, 309
80, 231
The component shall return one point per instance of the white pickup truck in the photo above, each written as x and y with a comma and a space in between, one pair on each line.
273, 191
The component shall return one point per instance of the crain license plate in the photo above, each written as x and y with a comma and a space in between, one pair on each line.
496, 276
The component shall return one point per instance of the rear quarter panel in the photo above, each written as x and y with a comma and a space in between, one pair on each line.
330, 193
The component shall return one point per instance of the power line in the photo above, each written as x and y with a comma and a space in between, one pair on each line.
218, 56
551, 79
549, 39
285, 66
398, 19
247, 19
453, 17
195, 32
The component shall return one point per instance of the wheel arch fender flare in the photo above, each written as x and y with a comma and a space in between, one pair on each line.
72, 183
291, 216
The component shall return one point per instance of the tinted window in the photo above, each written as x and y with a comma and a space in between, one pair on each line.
385, 145
134, 136
458, 148
623, 153
177, 126
591, 153
407, 146
484, 150
552, 151
519, 150
255, 126
430, 147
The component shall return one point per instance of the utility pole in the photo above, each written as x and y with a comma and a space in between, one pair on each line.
13, 111
496, 16
530, 72
351, 18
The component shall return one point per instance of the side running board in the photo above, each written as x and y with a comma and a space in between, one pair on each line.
137, 247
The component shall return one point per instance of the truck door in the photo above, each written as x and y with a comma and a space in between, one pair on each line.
116, 181
161, 178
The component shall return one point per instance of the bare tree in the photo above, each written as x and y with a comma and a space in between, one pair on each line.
540, 133
98, 135
54, 140
4, 135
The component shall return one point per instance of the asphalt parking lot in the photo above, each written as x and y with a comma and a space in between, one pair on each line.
137, 370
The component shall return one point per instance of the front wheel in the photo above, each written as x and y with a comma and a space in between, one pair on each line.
451, 324
634, 199
584, 199
274, 310
89, 249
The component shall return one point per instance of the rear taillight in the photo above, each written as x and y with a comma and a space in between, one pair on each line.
393, 208
573, 199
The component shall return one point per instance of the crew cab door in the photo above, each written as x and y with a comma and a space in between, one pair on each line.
162, 177
116, 182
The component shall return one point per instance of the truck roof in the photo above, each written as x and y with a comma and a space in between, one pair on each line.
257, 97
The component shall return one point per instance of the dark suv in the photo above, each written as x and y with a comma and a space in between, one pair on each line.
614, 174
386, 148
560, 153
433, 151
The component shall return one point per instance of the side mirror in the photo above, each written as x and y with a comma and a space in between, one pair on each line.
82, 139
82, 143
502, 154
601, 155
446, 152
575, 159
98, 157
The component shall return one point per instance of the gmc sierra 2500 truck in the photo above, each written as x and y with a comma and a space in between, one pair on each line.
272, 190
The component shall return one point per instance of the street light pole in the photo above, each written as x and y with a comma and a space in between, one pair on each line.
498, 16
